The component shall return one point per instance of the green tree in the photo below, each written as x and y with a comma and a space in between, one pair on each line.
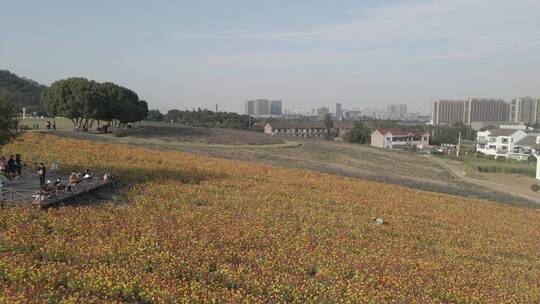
206, 118
85, 101
328, 124
174, 115
76, 98
358, 134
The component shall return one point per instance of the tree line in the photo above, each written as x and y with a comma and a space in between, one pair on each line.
87, 101
202, 118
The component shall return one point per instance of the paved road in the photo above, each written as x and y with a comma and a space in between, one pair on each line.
496, 187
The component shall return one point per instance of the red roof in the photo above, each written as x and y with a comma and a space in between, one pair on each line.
396, 132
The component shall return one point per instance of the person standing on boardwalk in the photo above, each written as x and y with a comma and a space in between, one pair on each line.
3, 164
41, 172
3, 183
18, 164
11, 167
54, 125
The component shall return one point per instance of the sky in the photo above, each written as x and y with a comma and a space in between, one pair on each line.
189, 54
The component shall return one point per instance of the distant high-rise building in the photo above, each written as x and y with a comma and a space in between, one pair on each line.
250, 107
339, 112
264, 108
525, 110
398, 111
485, 110
449, 112
276, 107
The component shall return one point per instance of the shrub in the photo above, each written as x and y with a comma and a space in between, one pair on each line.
535, 187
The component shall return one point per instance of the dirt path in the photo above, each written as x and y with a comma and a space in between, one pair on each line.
457, 172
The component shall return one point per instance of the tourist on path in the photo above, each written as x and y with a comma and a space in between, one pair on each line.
11, 167
41, 173
18, 164
3, 164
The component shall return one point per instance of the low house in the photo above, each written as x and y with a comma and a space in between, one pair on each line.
305, 130
528, 143
397, 139
524, 148
499, 142
342, 127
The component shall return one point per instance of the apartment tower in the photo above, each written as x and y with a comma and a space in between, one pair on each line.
264, 108
447, 112
525, 110
450, 112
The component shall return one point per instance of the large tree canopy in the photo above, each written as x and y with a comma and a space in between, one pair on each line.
154, 115
85, 101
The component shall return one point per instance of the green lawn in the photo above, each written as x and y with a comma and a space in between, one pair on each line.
501, 166
61, 123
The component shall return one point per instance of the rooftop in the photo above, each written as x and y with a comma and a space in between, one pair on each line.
502, 132
528, 141
310, 125
397, 132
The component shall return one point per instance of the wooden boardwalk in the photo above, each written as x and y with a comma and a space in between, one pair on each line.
77, 190
26, 188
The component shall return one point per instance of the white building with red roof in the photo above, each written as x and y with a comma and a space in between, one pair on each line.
397, 139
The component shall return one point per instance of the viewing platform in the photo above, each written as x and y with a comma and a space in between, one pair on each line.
25, 189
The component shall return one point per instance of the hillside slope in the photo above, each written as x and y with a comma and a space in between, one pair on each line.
200, 229
21, 91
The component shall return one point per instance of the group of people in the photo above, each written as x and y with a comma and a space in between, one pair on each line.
11, 168
79, 177
104, 129
51, 189
48, 188
50, 126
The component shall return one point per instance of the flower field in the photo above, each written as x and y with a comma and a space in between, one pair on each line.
196, 229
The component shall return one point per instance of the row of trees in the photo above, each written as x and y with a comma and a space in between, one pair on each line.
86, 101
204, 118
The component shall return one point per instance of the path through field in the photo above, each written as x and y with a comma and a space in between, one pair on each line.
498, 186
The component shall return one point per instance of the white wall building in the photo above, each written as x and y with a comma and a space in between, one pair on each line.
499, 142
397, 139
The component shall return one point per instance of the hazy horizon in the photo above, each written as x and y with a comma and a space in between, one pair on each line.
179, 54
